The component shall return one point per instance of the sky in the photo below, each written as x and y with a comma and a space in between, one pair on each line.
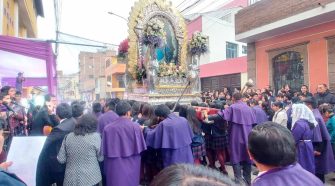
89, 19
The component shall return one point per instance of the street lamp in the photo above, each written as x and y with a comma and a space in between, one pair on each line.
125, 75
114, 14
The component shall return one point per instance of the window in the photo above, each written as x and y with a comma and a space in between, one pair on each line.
231, 50
108, 63
288, 68
244, 50
90, 76
120, 79
109, 81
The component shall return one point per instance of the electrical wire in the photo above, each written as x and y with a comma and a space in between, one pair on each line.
190, 6
181, 3
83, 38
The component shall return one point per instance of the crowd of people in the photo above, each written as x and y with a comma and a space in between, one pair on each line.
289, 137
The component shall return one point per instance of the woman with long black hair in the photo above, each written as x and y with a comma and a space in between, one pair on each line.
198, 142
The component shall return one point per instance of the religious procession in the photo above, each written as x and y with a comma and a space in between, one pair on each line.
208, 93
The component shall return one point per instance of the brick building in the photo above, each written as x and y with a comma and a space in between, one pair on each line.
92, 77
289, 42
68, 89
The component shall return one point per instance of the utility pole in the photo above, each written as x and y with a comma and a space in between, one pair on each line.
57, 44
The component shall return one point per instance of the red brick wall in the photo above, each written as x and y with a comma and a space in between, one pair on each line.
268, 11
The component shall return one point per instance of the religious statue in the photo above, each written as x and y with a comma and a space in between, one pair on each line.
194, 74
152, 75
158, 45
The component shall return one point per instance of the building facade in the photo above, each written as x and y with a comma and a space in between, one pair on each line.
19, 18
92, 74
115, 77
289, 42
218, 66
68, 86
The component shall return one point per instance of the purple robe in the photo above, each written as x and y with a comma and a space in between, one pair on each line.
105, 119
240, 118
324, 163
303, 137
122, 143
3, 108
260, 114
173, 136
292, 175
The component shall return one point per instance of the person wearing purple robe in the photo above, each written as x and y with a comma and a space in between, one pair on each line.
240, 119
324, 157
272, 148
259, 112
172, 137
303, 123
122, 143
108, 117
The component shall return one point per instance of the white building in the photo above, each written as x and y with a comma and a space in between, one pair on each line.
225, 65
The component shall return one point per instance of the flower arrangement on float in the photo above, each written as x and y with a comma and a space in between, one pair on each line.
171, 70
153, 33
198, 44
123, 49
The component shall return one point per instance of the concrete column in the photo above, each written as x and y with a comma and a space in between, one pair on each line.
16, 19
251, 59
1, 16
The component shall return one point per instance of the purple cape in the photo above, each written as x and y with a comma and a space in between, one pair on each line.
106, 119
324, 163
240, 118
303, 136
260, 114
240, 113
291, 175
122, 143
174, 137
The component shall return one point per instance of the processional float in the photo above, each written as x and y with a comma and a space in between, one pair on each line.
162, 64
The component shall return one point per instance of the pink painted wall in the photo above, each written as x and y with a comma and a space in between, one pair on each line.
229, 66
235, 3
317, 53
194, 26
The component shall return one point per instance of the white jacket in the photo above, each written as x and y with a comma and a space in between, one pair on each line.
280, 117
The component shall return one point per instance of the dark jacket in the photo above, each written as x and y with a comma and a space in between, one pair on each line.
219, 127
41, 120
49, 170
307, 94
10, 179
326, 97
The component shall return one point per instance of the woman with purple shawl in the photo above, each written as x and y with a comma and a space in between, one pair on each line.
303, 123
122, 144
172, 136
272, 149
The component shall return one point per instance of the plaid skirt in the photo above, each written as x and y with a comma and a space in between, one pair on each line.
219, 142
216, 143
208, 141
199, 151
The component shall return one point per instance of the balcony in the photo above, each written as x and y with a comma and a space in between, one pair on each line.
118, 68
266, 19
28, 17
